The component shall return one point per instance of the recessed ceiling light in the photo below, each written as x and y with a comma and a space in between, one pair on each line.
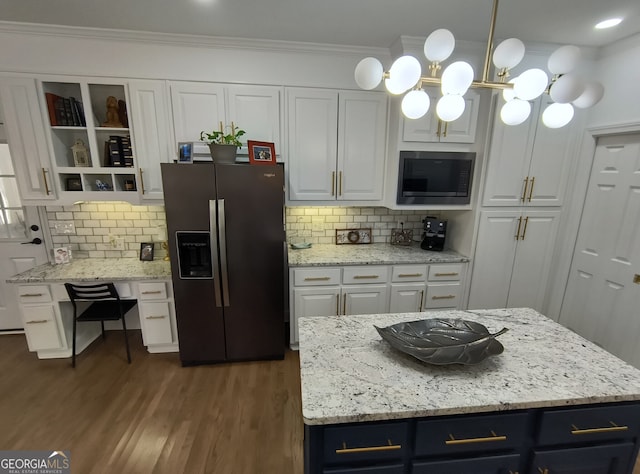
608, 23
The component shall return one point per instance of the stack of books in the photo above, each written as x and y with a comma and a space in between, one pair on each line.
117, 151
65, 111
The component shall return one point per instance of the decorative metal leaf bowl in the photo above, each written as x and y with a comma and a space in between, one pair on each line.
443, 341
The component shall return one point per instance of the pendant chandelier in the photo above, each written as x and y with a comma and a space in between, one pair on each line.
565, 88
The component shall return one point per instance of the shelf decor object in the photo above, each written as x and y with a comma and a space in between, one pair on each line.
353, 236
443, 341
223, 147
566, 89
80, 154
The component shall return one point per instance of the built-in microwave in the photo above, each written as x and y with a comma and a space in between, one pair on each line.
435, 177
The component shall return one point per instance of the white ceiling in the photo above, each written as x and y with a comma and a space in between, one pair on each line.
346, 22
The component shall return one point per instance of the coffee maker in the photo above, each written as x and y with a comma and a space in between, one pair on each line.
434, 233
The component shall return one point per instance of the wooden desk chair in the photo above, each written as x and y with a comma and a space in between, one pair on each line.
105, 305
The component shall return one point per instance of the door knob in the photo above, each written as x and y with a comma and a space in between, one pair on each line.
35, 241
34, 228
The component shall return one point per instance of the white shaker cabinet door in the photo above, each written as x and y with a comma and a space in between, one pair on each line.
197, 107
365, 299
406, 297
316, 301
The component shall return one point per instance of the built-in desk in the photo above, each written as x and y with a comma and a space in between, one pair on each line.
47, 313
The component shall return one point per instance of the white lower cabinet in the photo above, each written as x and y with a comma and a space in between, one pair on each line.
372, 289
42, 325
157, 316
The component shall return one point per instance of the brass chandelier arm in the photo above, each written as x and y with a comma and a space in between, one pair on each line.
425, 80
488, 54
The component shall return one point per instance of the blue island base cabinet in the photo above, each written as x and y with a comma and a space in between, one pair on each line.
586, 439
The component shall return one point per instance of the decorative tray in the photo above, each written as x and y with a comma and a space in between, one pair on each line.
443, 341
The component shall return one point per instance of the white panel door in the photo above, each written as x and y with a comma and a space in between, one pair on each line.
317, 301
313, 140
407, 297
361, 145
365, 299
196, 107
603, 292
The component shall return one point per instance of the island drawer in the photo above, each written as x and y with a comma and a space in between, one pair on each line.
34, 294
400, 273
505, 463
390, 469
447, 272
365, 274
471, 434
584, 425
316, 276
443, 295
364, 442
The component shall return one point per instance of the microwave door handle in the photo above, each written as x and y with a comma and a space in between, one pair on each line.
223, 252
213, 232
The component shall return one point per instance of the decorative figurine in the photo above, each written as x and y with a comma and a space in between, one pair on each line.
113, 116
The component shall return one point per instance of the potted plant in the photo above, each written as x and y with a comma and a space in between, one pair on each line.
223, 146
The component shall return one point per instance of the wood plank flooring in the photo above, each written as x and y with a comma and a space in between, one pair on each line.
153, 416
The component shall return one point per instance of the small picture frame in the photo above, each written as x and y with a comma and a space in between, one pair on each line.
74, 184
261, 153
146, 251
80, 154
185, 152
61, 255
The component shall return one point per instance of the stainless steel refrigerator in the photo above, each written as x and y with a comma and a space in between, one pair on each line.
225, 224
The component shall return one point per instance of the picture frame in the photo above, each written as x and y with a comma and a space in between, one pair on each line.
146, 251
80, 154
185, 152
261, 153
74, 184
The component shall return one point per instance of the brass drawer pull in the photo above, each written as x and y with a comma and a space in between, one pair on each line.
533, 181
493, 437
447, 297
155, 317
369, 449
38, 321
408, 275
608, 429
524, 189
317, 278
447, 274
32, 295
151, 292
421, 301
361, 277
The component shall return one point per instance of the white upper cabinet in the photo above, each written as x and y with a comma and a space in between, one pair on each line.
529, 164
25, 131
430, 128
336, 145
201, 107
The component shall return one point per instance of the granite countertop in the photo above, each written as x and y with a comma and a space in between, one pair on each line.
361, 378
369, 254
96, 269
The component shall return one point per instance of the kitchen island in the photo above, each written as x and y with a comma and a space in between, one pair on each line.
551, 402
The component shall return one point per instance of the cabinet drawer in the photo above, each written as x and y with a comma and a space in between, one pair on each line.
401, 273
365, 442
365, 274
41, 328
156, 323
391, 469
34, 294
444, 295
506, 463
471, 434
445, 272
152, 291
316, 276
584, 425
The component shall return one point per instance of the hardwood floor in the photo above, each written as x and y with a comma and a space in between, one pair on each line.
153, 416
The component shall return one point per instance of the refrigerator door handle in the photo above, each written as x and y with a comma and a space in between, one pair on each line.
223, 252
213, 229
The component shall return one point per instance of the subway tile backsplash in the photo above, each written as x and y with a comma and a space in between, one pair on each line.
116, 229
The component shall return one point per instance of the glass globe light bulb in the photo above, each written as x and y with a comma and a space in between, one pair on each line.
508, 54
439, 45
457, 78
531, 84
564, 59
509, 94
368, 73
393, 87
415, 104
566, 88
405, 72
450, 107
593, 92
515, 111
557, 115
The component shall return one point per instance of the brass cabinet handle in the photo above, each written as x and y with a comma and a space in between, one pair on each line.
338, 305
524, 231
608, 429
362, 277
519, 225
447, 274
142, 181
46, 183
420, 309
340, 184
368, 449
543, 471
32, 295
333, 183
317, 278
447, 297
493, 437
533, 181
439, 127
344, 305
156, 317
446, 126
151, 292
524, 188
408, 275
38, 321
